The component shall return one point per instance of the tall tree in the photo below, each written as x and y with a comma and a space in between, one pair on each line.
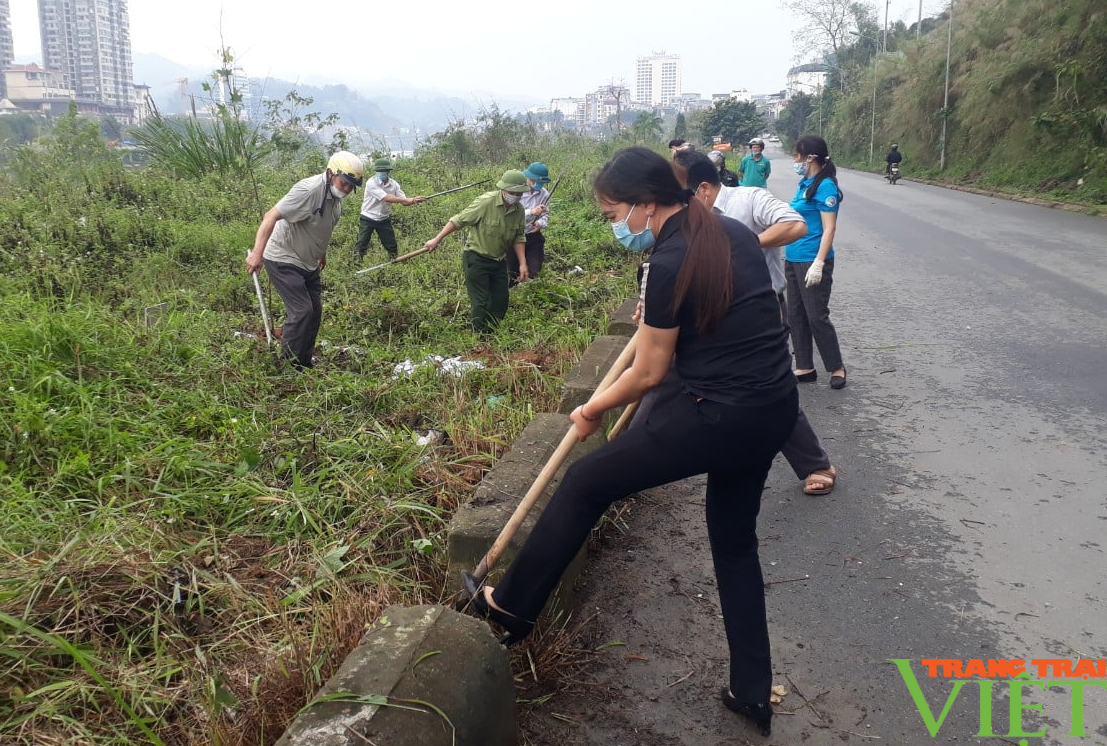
680, 127
827, 25
733, 121
647, 127
792, 121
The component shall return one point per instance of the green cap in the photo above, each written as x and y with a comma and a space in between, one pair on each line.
382, 164
513, 181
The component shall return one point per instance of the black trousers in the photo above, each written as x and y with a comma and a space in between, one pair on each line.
535, 253
680, 437
383, 228
809, 316
302, 293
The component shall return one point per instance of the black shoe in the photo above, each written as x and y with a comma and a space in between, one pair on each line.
838, 382
516, 628
761, 715
809, 377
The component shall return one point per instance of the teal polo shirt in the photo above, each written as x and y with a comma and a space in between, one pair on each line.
755, 173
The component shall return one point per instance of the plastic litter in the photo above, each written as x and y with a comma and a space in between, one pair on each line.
453, 366
430, 438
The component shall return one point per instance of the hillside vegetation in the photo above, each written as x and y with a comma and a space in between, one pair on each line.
1027, 101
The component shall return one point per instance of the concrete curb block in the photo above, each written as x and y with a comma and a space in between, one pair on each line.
621, 323
413, 655
582, 380
477, 523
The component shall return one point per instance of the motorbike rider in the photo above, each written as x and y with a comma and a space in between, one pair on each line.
894, 156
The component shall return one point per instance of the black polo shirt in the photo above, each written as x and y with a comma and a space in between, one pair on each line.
745, 359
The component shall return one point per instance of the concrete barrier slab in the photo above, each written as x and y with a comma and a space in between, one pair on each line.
477, 523
594, 364
411, 656
621, 322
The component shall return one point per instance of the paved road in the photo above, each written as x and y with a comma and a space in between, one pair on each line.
971, 516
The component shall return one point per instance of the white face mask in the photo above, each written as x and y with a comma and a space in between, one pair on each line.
337, 193
510, 199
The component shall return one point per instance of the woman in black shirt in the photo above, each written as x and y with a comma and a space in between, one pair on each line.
705, 298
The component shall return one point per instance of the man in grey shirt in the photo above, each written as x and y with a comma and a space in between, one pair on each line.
292, 244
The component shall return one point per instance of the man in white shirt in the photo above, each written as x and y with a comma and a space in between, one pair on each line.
774, 221
381, 192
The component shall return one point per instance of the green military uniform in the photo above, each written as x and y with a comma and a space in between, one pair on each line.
494, 228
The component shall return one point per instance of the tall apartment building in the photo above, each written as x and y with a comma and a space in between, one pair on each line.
657, 79
90, 41
7, 45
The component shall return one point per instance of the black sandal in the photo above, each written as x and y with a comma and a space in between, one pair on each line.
761, 714
809, 377
516, 628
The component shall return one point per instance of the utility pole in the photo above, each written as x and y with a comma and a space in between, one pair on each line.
872, 123
872, 120
884, 49
945, 102
919, 25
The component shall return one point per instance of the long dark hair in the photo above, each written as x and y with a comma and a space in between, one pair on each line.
816, 146
636, 175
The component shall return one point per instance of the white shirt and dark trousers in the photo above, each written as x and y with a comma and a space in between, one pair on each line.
376, 216
758, 209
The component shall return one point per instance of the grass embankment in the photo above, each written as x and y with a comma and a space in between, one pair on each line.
194, 539
1027, 108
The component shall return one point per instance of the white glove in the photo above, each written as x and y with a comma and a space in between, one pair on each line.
814, 273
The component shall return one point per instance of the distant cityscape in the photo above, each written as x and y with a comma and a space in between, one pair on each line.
658, 88
86, 59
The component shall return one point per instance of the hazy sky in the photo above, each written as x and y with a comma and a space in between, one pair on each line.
537, 50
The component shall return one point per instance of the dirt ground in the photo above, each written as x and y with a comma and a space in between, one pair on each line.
648, 617
651, 652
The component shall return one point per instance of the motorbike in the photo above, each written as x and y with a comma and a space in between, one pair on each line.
893, 173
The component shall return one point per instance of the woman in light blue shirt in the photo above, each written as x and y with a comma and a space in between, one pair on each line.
809, 262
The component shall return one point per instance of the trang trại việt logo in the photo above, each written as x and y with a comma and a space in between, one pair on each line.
994, 676
1014, 675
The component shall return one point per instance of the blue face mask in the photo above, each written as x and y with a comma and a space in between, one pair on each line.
536, 187
382, 177
633, 241
800, 168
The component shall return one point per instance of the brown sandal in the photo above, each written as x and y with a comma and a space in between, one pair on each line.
820, 481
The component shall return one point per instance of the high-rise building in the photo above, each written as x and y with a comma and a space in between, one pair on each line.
90, 41
657, 79
7, 46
